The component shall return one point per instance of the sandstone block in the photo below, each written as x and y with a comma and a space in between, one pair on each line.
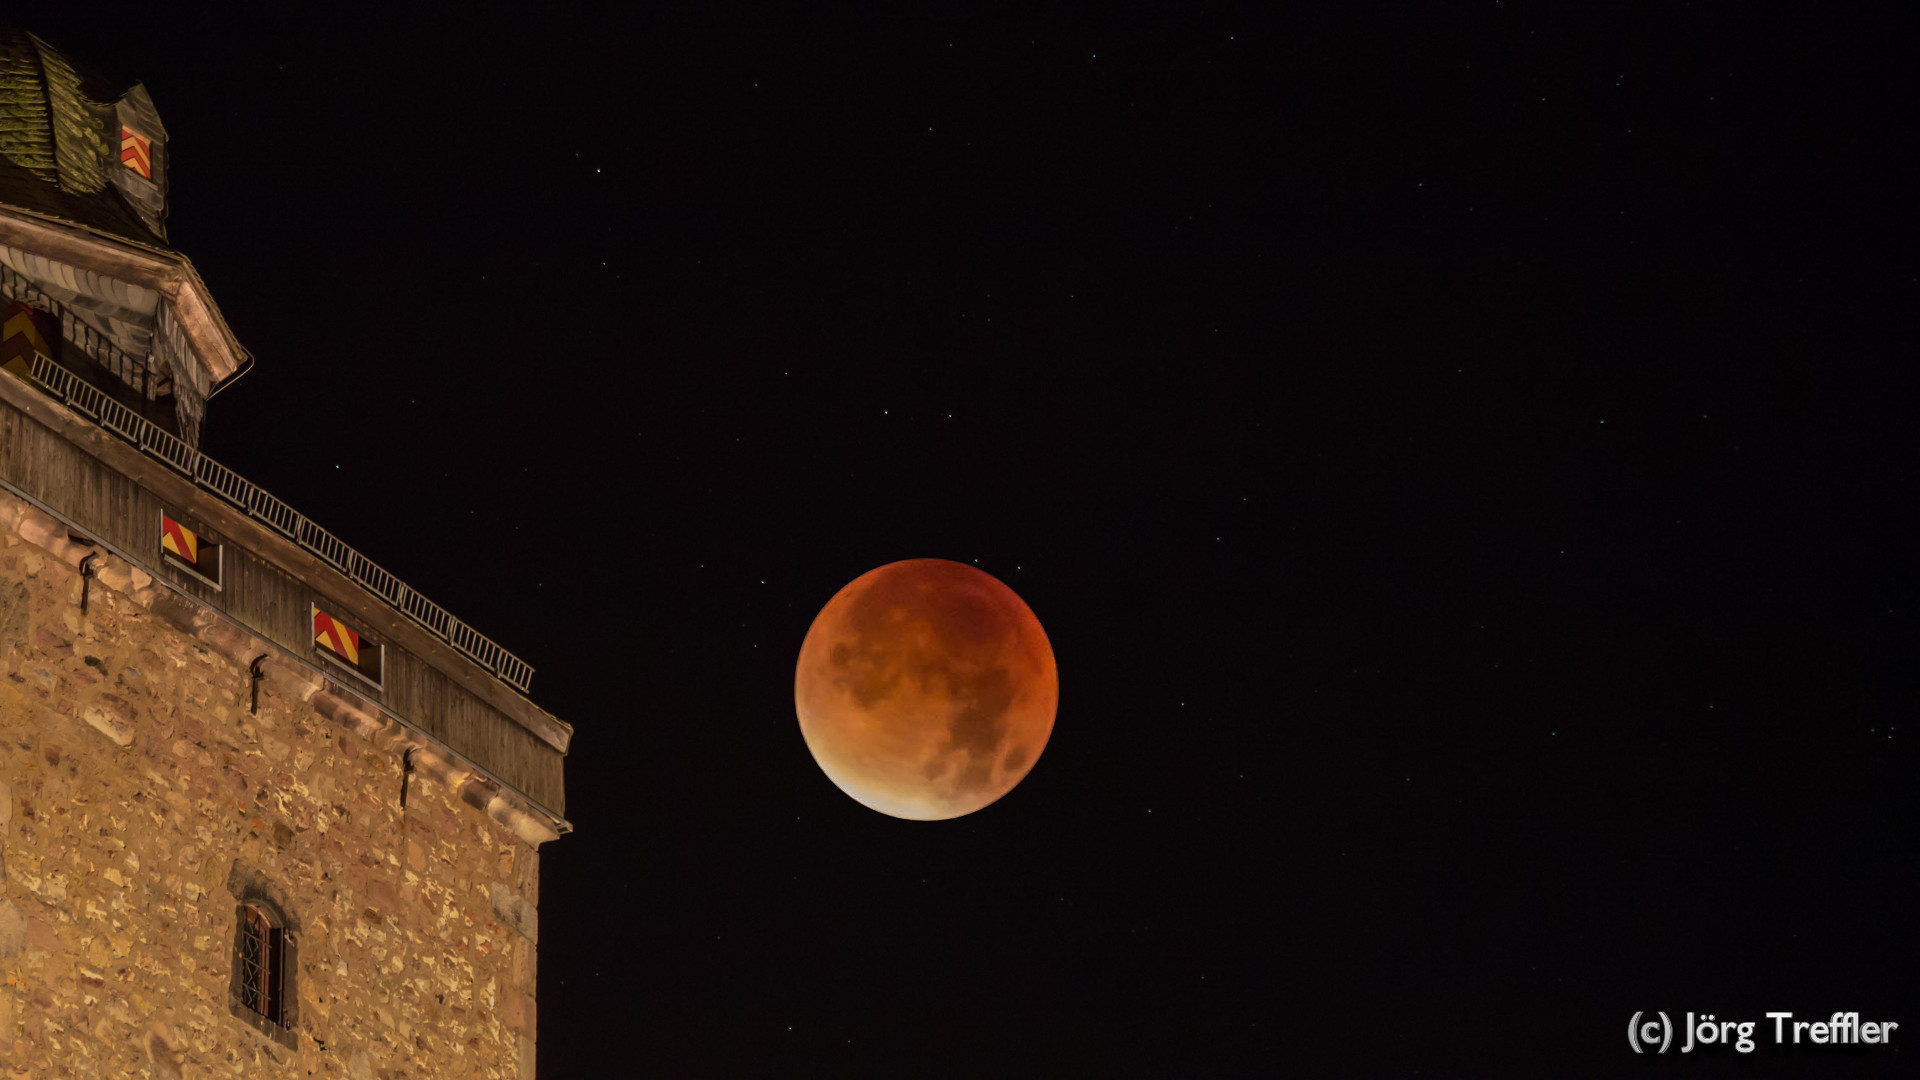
165, 1052
43, 934
16, 610
514, 911
47, 641
526, 875
112, 724
13, 931
524, 968
516, 1010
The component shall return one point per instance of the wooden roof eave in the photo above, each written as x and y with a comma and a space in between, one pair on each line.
167, 272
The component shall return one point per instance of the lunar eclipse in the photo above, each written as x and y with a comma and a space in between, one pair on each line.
926, 689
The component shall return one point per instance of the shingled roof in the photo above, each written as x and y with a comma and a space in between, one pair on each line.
60, 130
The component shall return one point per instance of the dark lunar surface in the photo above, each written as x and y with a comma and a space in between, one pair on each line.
926, 688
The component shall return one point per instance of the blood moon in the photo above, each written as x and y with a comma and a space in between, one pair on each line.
926, 689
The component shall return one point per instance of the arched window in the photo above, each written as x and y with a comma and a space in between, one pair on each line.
266, 959
257, 963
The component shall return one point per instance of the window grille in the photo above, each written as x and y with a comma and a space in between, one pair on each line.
258, 958
265, 961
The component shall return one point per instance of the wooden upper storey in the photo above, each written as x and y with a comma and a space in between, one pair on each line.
113, 493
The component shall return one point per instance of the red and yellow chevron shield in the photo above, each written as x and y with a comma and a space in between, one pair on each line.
24, 332
182, 542
136, 151
336, 637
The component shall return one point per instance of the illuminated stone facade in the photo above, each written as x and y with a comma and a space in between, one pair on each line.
139, 790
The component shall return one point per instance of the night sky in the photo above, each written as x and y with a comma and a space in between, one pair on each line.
1454, 451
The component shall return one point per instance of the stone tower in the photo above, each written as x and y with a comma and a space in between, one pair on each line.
264, 809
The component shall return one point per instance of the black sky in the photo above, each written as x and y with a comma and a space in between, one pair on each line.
1454, 450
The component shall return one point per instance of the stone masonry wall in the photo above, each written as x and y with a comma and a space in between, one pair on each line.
136, 790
